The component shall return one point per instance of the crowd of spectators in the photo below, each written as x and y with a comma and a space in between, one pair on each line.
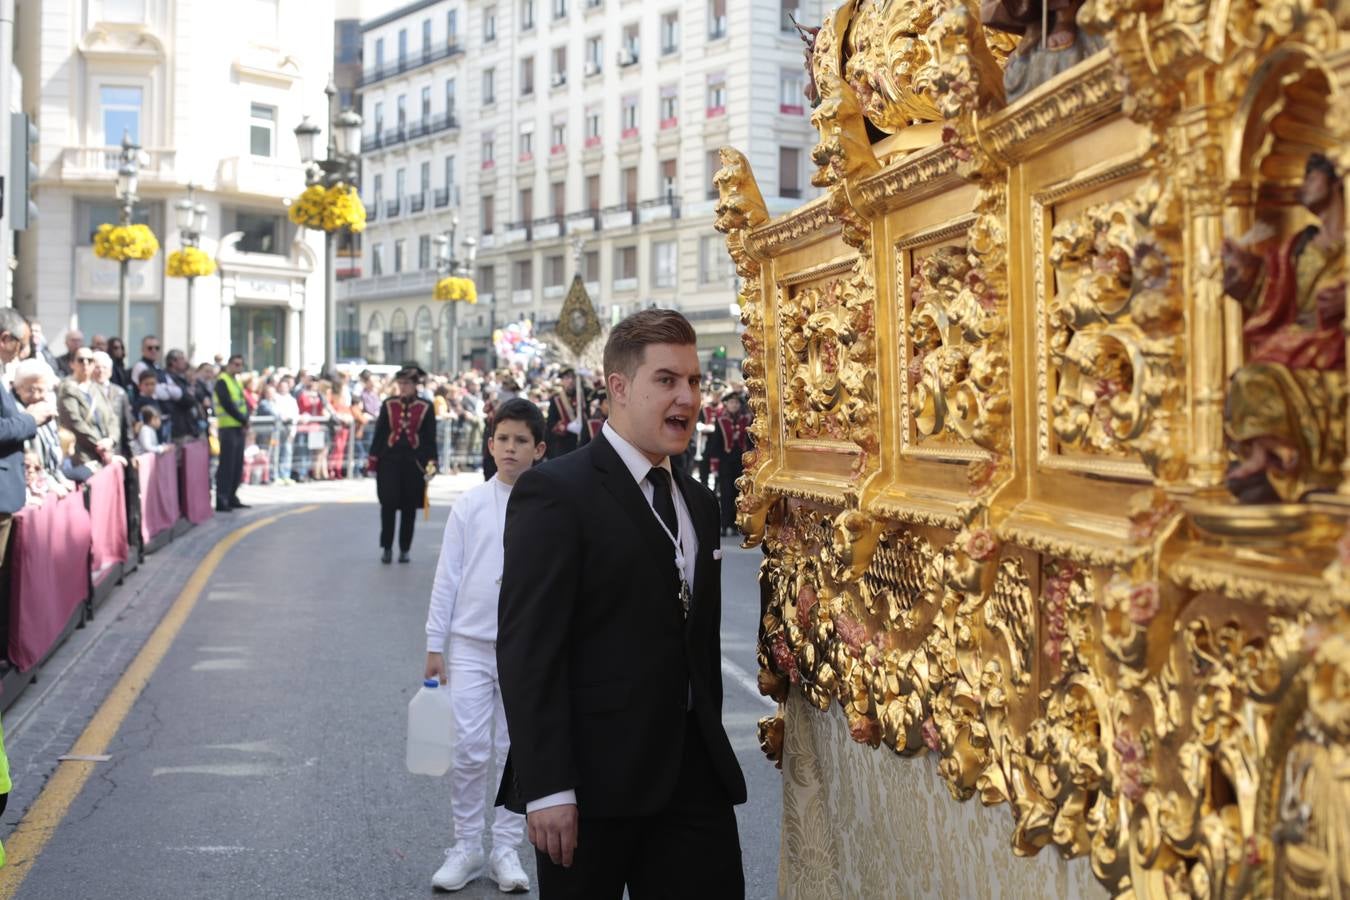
92, 407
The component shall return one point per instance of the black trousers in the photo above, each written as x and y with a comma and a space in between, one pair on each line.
230, 466
689, 850
405, 527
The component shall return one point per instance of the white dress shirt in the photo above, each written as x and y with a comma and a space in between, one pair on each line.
639, 467
469, 573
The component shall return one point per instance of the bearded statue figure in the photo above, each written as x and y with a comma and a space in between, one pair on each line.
1286, 405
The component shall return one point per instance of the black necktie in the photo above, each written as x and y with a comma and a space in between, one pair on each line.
662, 502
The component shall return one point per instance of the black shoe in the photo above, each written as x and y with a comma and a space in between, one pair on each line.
220, 508
235, 504
386, 557
404, 557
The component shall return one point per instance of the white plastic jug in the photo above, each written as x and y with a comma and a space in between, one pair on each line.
431, 726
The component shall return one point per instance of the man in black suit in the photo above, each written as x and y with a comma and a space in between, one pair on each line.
17, 425
609, 646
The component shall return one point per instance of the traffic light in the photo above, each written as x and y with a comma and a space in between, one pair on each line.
23, 172
720, 352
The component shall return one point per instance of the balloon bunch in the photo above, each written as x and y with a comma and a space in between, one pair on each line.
516, 342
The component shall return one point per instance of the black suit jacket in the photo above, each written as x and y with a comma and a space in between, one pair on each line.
595, 657
16, 426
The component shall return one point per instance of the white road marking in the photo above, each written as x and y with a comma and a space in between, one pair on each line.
250, 747
224, 650
745, 680
229, 770
217, 850
220, 665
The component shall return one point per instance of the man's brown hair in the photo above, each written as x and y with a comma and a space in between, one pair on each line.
628, 340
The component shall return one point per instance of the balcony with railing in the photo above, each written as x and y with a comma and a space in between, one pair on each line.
417, 203
409, 63
259, 175
441, 198
660, 209
422, 128
101, 164
391, 207
547, 228
516, 232
621, 216
583, 222
417, 282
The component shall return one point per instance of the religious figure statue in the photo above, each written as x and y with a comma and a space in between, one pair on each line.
1285, 404
1051, 40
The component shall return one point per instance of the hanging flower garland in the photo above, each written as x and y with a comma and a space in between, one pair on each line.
454, 288
190, 262
123, 242
329, 209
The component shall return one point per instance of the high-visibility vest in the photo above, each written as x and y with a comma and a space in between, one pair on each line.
224, 419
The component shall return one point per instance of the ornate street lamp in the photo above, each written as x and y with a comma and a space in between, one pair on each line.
341, 166
190, 217
447, 264
128, 180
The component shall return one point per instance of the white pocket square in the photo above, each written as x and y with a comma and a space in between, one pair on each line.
717, 554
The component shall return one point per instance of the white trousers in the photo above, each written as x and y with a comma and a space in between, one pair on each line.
480, 729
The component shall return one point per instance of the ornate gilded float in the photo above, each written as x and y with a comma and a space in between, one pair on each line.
1049, 395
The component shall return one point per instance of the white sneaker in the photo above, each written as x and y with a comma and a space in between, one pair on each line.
462, 865
508, 872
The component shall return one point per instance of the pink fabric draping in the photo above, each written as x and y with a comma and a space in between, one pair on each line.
49, 574
196, 481
159, 492
108, 520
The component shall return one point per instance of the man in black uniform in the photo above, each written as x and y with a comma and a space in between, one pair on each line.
403, 457
563, 432
727, 444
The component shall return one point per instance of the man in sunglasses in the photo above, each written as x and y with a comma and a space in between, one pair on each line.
167, 392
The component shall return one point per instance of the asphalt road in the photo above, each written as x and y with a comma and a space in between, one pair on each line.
265, 757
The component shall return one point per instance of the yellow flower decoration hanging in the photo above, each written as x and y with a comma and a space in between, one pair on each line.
329, 209
457, 289
123, 242
190, 262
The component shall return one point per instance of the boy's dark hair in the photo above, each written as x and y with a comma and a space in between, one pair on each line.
518, 410
147, 373
148, 413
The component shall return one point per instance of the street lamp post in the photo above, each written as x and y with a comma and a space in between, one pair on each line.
447, 264
191, 220
341, 165
128, 180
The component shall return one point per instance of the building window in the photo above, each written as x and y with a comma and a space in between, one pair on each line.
625, 264
452, 27
425, 173
450, 100
489, 86
400, 184
667, 185
450, 173
527, 142
593, 193
789, 12
127, 11
793, 92
402, 114
595, 46
789, 172
558, 139
553, 271
424, 252
670, 106
489, 150
400, 246
559, 9
593, 127
670, 33
717, 94
379, 53
628, 55
426, 105
262, 126
487, 279
590, 266
629, 117
558, 191
379, 119
426, 39
489, 23
377, 259
717, 19
527, 204
377, 190
663, 264
527, 76
560, 66
262, 232
120, 109
402, 62
522, 275
628, 186
526, 15
714, 263
488, 215
712, 163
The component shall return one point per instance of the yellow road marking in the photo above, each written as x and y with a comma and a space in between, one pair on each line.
45, 815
